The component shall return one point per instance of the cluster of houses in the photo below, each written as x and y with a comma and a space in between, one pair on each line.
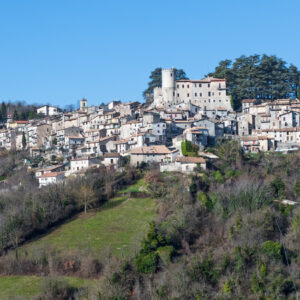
269, 126
198, 111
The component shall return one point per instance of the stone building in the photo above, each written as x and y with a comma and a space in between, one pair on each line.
208, 93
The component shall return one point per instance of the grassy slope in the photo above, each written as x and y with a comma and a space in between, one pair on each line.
25, 287
119, 223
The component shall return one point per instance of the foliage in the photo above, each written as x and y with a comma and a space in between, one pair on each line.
204, 270
147, 262
272, 249
217, 175
154, 246
277, 187
188, 149
259, 77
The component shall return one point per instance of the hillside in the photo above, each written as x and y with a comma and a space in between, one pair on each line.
119, 225
222, 233
27, 287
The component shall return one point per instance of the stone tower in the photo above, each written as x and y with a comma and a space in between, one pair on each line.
168, 85
83, 104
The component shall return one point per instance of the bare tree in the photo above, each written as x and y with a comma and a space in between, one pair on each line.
86, 196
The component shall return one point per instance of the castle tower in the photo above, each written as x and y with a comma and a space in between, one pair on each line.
83, 104
168, 85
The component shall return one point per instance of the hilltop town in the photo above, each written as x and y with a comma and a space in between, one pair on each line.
185, 118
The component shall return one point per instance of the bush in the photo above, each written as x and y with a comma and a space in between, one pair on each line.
202, 197
228, 286
272, 249
204, 270
278, 188
146, 263
56, 288
166, 253
217, 175
188, 149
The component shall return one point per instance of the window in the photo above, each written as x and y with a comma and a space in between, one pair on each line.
219, 85
208, 94
178, 86
188, 86
183, 86
208, 85
200, 85
177, 95
171, 74
188, 95
219, 93
213, 94
200, 94
195, 94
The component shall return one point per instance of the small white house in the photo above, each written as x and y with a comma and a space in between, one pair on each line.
184, 164
50, 178
151, 154
111, 159
48, 110
78, 164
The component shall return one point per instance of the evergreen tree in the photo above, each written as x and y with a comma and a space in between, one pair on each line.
3, 110
16, 115
24, 140
258, 77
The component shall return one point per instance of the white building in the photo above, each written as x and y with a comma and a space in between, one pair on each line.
78, 164
111, 159
152, 154
184, 164
50, 178
48, 110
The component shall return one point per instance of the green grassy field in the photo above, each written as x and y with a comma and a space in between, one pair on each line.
26, 287
119, 224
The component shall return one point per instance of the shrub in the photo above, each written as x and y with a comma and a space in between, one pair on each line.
166, 253
272, 249
217, 175
146, 263
202, 197
228, 286
188, 149
204, 270
277, 186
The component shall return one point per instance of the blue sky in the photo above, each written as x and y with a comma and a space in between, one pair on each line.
60, 51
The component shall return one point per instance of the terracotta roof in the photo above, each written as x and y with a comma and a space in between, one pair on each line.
191, 160
151, 150
51, 174
19, 122
248, 101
